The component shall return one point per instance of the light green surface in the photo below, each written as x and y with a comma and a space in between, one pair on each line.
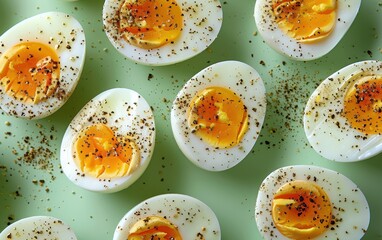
232, 193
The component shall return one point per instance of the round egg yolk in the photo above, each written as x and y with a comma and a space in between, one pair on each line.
305, 20
30, 71
301, 210
154, 228
100, 153
363, 105
150, 24
218, 116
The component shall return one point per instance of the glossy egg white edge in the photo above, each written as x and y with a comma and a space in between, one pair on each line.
327, 131
61, 32
245, 82
132, 116
346, 13
350, 206
202, 20
38, 227
190, 215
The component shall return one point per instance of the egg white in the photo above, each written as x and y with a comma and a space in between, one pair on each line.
63, 33
349, 205
246, 83
189, 214
202, 20
128, 112
278, 40
327, 130
38, 227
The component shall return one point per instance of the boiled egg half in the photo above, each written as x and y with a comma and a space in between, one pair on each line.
217, 116
310, 202
169, 216
38, 227
342, 118
304, 29
109, 143
41, 60
161, 32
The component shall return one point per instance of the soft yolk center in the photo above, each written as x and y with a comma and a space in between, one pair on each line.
363, 105
154, 228
218, 116
150, 23
305, 20
100, 153
30, 71
301, 210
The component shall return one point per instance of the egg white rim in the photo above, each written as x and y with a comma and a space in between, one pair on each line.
238, 76
291, 48
340, 130
155, 206
344, 192
69, 74
29, 223
183, 48
145, 141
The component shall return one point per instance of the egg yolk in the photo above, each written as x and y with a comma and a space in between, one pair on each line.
305, 20
363, 105
30, 72
154, 228
100, 153
301, 210
150, 24
218, 116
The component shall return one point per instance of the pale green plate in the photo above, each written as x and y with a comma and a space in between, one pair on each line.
26, 189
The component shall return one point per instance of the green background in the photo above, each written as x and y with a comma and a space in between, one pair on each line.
28, 189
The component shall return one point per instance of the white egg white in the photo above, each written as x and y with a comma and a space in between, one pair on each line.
192, 217
349, 206
129, 113
268, 28
38, 227
327, 130
63, 33
246, 83
202, 20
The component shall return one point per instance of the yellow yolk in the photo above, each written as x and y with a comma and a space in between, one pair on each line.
305, 20
154, 228
100, 153
218, 116
363, 105
150, 23
30, 71
301, 210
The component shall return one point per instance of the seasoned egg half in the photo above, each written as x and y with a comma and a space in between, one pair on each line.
310, 202
342, 118
217, 116
304, 29
109, 143
160, 32
169, 216
38, 227
41, 59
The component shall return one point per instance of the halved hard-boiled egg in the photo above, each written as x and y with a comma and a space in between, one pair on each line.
38, 227
217, 116
310, 202
41, 59
304, 29
169, 216
109, 143
342, 118
160, 32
